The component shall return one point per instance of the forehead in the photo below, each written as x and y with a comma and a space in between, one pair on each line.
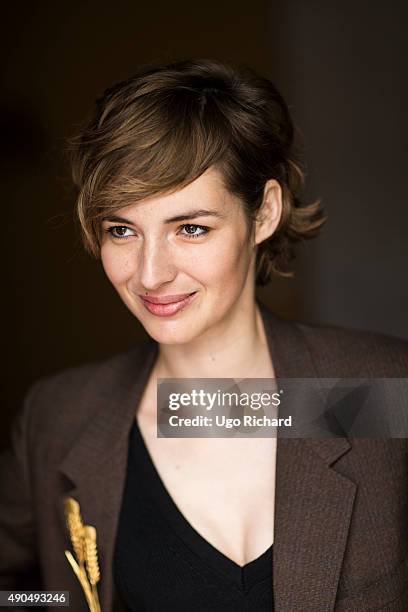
206, 193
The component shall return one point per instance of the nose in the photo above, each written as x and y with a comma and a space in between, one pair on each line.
157, 265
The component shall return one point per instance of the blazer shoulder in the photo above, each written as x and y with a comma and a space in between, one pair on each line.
100, 372
348, 352
68, 399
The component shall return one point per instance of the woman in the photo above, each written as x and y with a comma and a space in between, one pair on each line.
189, 192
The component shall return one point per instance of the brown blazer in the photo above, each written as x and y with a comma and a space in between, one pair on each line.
341, 527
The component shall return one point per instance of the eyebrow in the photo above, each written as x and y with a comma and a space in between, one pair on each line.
186, 216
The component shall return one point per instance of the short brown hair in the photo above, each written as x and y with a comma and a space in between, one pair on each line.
164, 127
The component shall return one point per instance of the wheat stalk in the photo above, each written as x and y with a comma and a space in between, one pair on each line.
82, 577
75, 527
91, 559
85, 566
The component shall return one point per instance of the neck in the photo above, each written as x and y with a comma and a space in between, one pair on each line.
235, 348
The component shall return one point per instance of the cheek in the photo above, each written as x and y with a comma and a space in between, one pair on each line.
225, 261
117, 263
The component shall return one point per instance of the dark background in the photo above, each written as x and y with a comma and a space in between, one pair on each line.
341, 67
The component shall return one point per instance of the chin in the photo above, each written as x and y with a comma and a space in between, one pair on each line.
171, 333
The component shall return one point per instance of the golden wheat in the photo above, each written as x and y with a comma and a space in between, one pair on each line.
75, 527
83, 538
91, 554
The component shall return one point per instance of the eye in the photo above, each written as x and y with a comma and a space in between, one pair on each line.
194, 231
120, 231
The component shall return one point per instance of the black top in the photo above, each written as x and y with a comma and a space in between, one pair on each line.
162, 563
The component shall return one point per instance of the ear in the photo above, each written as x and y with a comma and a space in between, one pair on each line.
270, 211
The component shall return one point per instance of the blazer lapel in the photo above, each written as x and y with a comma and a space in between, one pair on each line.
96, 464
312, 519
313, 502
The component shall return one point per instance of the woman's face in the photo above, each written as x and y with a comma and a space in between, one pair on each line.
181, 261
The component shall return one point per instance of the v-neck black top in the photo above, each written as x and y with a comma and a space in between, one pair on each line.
162, 563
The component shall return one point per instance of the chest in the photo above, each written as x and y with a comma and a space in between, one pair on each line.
224, 487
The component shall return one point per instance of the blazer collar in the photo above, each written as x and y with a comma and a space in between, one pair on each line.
313, 503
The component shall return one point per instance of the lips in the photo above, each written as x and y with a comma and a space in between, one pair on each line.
167, 305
